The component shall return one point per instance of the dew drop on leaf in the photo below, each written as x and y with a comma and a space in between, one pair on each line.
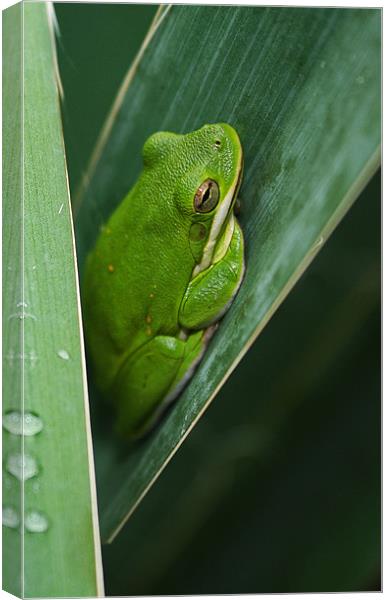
10, 517
21, 467
36, 522
18, 424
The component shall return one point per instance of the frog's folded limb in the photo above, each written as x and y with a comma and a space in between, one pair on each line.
210, 293
151, 378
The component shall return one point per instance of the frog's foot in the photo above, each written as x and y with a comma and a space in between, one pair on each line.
195, 348
152, 378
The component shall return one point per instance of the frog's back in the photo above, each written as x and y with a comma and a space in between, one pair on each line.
135, 278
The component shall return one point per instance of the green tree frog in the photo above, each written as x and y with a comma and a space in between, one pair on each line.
164, 270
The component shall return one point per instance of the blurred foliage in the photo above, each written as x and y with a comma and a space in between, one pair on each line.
278, 487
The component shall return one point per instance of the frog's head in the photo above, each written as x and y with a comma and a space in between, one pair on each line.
202, 170
210, 188
216, 172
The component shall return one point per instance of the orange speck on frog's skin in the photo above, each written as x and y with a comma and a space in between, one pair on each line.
148, 319
111, 268
148, 331
152, 295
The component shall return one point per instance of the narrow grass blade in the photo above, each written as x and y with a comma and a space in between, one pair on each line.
12, 284
48, 459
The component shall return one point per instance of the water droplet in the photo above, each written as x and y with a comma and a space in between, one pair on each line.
32, 424
22, 316
28, 357
16, 423
10, 517
22, 467
63, 354
36, 522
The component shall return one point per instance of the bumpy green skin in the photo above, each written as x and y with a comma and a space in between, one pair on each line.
161, 274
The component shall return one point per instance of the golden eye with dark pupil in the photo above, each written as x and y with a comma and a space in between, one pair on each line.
207, 196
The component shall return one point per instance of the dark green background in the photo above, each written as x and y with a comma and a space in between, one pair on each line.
278, 487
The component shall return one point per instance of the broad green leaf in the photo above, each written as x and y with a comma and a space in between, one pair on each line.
51, 540
305, 100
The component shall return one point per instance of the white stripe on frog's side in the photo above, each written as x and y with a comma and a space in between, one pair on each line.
224, 244
216, 228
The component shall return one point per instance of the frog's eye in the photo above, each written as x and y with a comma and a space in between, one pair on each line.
207, 196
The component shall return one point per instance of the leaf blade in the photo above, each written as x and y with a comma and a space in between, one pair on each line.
50, 469
306, 105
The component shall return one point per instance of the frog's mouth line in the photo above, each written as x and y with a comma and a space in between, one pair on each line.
219, 219
239, 180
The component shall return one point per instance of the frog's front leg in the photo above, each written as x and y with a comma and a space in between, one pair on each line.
152, 377
210, 293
